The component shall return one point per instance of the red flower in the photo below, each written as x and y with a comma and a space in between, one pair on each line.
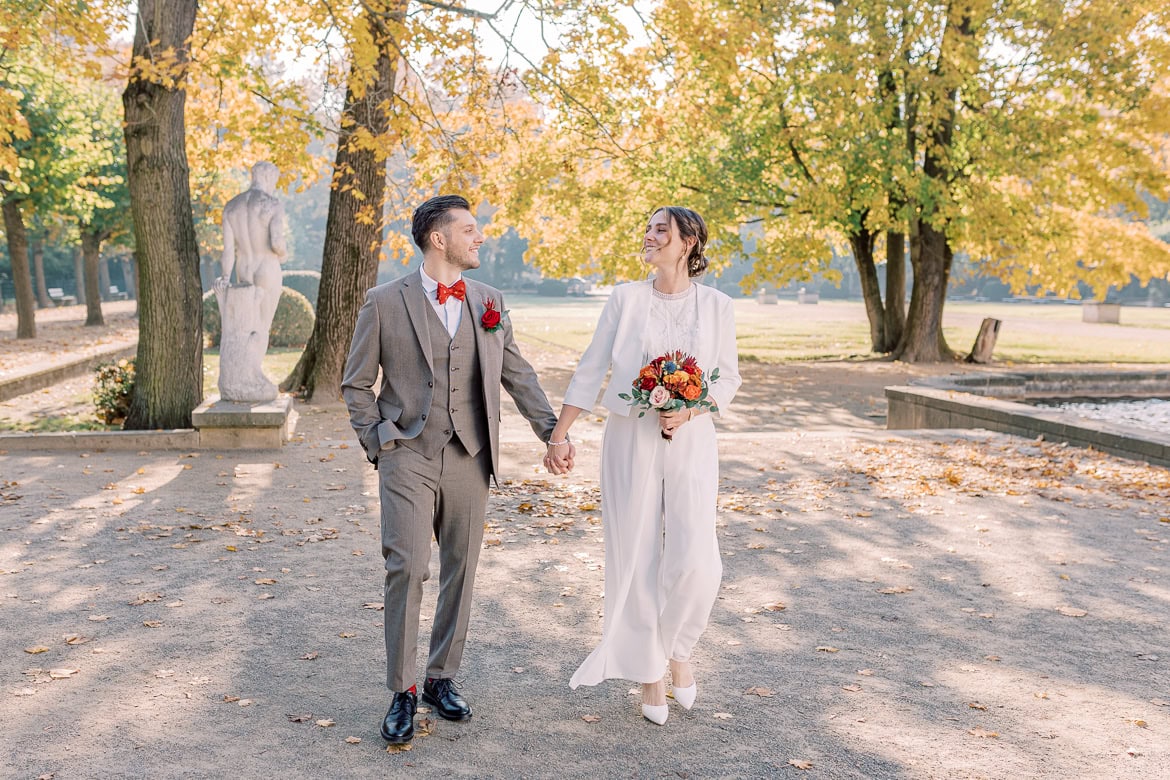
648, 382
491, 317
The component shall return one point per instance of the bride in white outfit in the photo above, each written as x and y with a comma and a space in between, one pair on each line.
658, 498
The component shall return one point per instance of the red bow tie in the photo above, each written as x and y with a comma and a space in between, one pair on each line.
458, 290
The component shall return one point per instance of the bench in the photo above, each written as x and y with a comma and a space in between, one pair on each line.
59, 298
116, 294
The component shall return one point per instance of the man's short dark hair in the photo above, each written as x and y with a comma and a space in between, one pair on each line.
433, 215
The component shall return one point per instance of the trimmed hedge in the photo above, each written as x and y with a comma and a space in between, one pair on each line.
291, 325
304, 282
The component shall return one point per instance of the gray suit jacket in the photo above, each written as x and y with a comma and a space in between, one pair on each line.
392, 335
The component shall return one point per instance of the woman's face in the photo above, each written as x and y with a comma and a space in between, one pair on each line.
662, 247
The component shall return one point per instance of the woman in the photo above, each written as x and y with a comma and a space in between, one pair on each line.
662, 566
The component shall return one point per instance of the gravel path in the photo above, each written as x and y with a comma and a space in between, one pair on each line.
919, 605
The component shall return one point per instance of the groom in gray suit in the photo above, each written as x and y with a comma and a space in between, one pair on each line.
444, 348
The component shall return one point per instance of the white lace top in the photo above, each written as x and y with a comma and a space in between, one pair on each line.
673, 322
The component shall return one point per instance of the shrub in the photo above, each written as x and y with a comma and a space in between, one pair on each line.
553, 287
113, 390
304, 282
293, 322
212, 324
291, 325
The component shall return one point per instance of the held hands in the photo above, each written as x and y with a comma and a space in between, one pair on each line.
559, 457
670, 422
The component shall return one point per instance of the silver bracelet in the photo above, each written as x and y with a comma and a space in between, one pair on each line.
552, 443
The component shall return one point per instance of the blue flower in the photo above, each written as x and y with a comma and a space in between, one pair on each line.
669, 367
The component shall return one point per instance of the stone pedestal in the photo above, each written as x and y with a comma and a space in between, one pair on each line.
807, 297
766, 296
1095, 311
233, 425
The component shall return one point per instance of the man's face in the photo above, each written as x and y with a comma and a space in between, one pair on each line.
462, 240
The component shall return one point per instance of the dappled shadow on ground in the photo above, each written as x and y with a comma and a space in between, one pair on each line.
892, 606
980, 594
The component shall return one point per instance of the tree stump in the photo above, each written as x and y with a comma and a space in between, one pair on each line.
984, 342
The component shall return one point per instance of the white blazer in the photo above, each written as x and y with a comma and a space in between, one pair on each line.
620, 342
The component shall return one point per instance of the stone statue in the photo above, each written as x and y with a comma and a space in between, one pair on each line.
253, 247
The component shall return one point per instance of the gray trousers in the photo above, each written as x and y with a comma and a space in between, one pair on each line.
445, 496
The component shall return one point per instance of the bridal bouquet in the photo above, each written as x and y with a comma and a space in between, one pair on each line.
669, 382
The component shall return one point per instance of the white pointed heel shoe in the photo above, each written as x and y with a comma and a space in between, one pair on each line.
655, 713
686, 696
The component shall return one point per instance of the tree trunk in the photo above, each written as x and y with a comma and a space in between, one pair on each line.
353, 228
79, 273
37, 246
895, 311
169, 366
91, 250
26, 308
862, 245
930, 256
130, 279
104, 279
930, 249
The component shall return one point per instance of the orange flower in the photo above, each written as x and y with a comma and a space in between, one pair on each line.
691, 392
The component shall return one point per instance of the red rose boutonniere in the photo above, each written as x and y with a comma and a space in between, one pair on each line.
492, 319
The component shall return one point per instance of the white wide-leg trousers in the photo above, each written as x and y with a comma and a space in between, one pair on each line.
662, 565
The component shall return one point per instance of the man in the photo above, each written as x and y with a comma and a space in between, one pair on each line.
432, 432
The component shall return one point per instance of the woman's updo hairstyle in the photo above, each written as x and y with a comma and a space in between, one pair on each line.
690, 226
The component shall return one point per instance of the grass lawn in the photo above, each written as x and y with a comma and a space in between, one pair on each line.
1030, 333
278, 363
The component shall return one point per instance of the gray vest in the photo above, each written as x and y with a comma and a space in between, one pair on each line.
457, 408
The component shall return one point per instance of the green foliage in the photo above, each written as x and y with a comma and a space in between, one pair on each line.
212, 322
293, 322
304, 282
113, 390
291, 325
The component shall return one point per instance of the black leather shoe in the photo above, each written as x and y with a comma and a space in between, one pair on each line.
398, 725
441, 694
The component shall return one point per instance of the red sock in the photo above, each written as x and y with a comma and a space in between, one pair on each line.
412, 689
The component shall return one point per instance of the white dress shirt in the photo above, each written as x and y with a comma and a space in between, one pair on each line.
451, 312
